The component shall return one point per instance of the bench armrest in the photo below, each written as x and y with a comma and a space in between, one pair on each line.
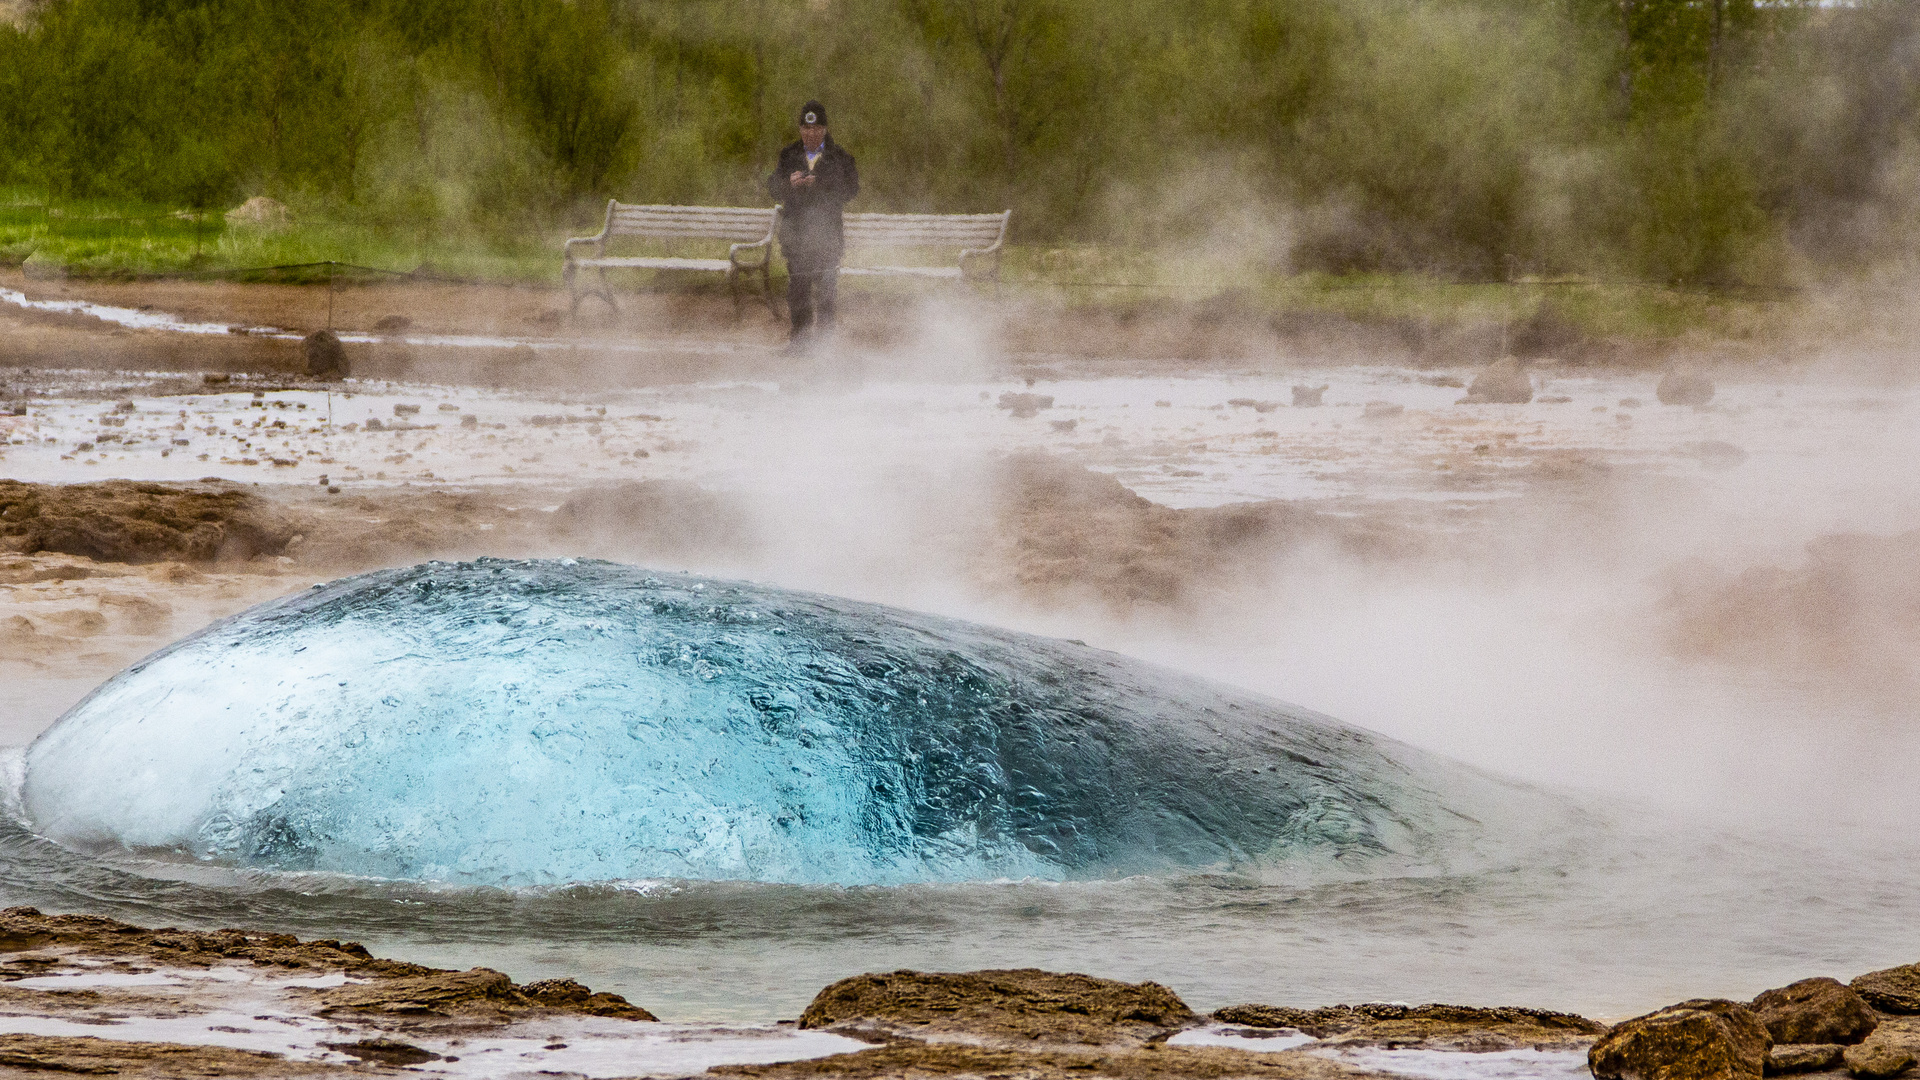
991, 249
764, 245
599, 240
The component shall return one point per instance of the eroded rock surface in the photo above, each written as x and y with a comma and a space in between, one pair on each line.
1891, 990
1878, 1061
125, 521
913, 1059
1015, 1007
41, 1055
1428, 1027
1819, 1010
32, 943
1803, 1057
1698, 1039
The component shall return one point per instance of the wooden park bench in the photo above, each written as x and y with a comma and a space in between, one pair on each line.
747, 229
750, 230
978, 236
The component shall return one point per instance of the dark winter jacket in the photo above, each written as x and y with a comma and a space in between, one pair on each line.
811, 235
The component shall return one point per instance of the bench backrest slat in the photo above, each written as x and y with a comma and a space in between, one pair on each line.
740, 224
913, 230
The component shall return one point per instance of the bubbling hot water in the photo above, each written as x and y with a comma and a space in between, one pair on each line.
539, 722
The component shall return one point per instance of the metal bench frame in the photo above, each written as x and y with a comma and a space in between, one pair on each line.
750, 228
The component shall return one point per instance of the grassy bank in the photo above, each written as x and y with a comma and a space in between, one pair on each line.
115, 239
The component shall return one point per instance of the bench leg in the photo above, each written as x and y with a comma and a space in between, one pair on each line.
766, 288
733, 289
606, 291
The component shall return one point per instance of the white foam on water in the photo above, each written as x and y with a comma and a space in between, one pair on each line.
1458, 1065
1243, 1038
586, 1046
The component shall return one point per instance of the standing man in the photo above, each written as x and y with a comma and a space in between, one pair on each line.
813, 180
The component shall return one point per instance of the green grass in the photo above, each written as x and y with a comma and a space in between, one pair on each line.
117, 239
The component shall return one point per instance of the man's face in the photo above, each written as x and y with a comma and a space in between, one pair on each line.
812, 135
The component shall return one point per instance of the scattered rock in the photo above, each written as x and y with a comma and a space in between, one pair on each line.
1803, 1057
384, 1051
1682, 387
1064, 425
1380, 410
1630, 403
439, 993
325, 357
1503, 382
388, 324
1307, 397
1815, 1011
1877, 1061
1891, 990
215, 378
1026, 405
573, 997
402, 409
1698, 1039
17, 629
1554, 399
1450, 381
1715, 454
1022, 1006
1250, 403
260, 211
1431, 1027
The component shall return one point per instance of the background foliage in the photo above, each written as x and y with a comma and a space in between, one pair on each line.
1686, 141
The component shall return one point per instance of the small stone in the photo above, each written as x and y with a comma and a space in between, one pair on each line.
1380, 410
1815, 1011
1503, 382
1803, 1057
325, 357
1877, 1061
1307, 397
1681, 387
1025, 405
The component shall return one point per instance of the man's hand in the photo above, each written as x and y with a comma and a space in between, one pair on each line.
798, 178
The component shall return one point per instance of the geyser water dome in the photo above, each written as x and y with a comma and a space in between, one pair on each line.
540, 722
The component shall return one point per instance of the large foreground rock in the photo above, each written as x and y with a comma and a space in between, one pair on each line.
1016, 1007
1891, 990
1502, 382
1698, 1039
1425, 1027
1815, 1011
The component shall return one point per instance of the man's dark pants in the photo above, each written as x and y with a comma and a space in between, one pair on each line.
811, 289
